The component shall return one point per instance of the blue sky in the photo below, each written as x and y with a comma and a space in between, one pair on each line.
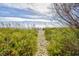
7, 11
76, 11
26, 12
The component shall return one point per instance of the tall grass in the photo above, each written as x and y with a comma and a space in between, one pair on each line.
62, 41
16, 42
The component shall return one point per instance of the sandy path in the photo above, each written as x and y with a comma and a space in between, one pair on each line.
42, 43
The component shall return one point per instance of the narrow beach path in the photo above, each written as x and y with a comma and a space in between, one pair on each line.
42, 44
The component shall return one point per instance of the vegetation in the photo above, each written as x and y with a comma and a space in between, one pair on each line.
62, 41
18, 42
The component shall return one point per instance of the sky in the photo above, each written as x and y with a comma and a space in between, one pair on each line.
26, 12
41, 7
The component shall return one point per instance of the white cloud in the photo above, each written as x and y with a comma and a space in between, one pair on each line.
40, 7
21, 19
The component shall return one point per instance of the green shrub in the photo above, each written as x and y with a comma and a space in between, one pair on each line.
18, 41
62, 41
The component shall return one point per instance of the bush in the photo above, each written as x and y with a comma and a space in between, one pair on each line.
62, 41
21, 42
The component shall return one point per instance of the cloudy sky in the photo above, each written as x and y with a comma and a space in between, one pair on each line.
28, 10
41, 7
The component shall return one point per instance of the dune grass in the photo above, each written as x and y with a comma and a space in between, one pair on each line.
18, 42
62, 41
